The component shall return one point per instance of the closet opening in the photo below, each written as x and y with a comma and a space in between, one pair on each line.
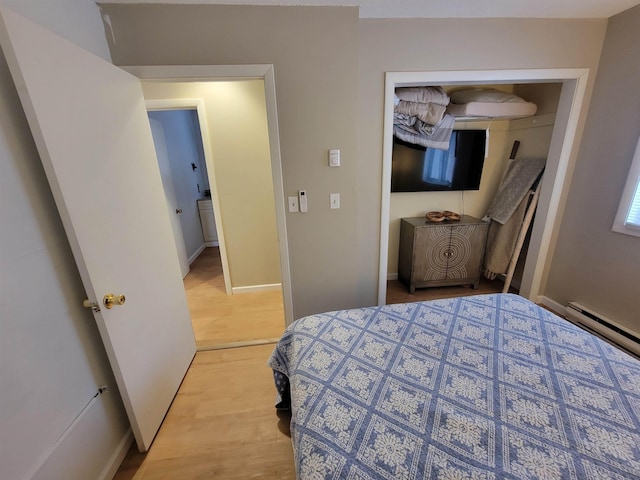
549, 133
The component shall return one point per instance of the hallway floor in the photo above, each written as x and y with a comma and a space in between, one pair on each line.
221, 320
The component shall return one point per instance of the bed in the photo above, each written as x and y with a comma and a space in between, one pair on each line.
478, 387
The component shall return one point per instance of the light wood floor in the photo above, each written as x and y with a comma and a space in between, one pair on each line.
397, 292
222, 423
221, 319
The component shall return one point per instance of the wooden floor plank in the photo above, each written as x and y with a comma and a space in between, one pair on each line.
397, 292
222, 424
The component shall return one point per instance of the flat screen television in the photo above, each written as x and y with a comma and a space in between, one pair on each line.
419, 169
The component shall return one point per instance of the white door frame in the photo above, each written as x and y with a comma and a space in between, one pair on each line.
211, 73
197, 104
555, 182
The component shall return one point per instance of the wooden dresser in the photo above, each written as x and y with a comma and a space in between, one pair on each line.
437, 254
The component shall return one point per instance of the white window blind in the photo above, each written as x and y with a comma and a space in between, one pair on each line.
633, 218
627, 219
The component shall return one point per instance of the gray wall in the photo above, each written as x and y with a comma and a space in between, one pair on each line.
447, 44
315, 57
330, 74
52, 359
329, 70
593, 265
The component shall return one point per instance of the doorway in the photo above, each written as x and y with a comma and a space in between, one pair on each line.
190, 74
555, 181
193, 73
178, 145
199, 199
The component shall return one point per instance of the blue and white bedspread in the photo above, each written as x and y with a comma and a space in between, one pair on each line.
481, 387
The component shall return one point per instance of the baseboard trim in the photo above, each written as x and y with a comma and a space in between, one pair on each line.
212, 244
392, 276
256, 288
117, 458
193, 257
557, 308
225, 346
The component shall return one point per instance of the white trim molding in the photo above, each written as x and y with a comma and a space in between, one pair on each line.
556, 307
270, 287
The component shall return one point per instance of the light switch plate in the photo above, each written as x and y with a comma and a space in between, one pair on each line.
334, 198
293, 204
334, 158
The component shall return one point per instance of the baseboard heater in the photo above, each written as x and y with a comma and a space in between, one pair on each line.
603, 326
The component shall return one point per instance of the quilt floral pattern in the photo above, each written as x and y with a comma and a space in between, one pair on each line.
481, 387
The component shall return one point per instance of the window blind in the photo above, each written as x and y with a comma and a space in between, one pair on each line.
633, 217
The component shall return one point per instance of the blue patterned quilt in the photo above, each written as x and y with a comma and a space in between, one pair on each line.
480, 387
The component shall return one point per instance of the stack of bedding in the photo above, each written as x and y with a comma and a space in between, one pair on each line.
488, 102
420, 116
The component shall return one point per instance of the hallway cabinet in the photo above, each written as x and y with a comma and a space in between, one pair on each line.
205, 208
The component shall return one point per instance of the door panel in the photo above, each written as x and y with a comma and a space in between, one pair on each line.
89, 121
160, 144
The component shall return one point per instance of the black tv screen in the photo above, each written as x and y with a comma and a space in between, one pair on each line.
419, 169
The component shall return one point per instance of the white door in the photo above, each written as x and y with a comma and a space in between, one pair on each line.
89, 121
160, 143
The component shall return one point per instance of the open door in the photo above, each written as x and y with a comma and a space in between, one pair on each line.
160, 143
89, 122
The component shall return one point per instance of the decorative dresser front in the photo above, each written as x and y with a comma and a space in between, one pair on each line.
438, 254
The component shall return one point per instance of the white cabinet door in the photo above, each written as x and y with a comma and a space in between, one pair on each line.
90, 125
207, 219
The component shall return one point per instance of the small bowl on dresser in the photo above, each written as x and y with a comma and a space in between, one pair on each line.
435, 217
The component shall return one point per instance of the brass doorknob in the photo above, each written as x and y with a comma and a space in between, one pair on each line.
110, 300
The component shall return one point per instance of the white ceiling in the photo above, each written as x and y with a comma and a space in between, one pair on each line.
445, 8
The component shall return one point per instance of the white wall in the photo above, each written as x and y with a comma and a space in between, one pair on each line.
51, 355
